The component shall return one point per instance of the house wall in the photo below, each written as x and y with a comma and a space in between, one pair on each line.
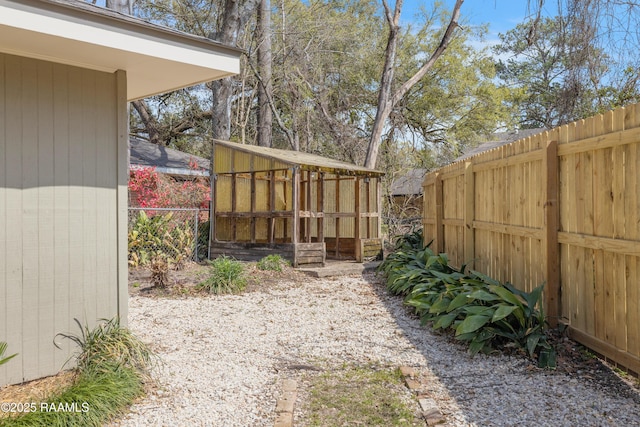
63, 178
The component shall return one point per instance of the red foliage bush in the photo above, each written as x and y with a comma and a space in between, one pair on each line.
149, 189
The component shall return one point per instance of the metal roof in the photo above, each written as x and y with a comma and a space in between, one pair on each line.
304, 160
408, 184
498, 140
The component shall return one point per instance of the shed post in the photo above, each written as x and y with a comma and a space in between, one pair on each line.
295, 226
272, 206
253, 204
337, 222
307, 226
378, 207
356, 230
320, 207
212, 202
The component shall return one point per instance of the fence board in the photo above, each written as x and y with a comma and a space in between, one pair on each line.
492, 209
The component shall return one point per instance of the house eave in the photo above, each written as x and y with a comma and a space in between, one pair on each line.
155, 59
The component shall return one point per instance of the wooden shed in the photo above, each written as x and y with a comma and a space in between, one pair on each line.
304, 207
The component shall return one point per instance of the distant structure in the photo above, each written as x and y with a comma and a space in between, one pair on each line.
178, 164
498, 139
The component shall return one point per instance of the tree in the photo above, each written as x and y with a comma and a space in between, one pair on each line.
557, 74
609, 26
325, 58
388, 99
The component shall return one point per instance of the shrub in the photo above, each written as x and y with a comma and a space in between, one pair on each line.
109, 344
112, 365
160, 271
226, 276
481, 311
146, 237
272, 262
160, 235
96, 396
148, 188
413, 240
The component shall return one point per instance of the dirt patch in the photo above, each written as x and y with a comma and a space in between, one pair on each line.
184, 282
36, 391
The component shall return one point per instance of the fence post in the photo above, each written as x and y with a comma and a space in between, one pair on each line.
195, 235
551, 225
439, 243
469, 214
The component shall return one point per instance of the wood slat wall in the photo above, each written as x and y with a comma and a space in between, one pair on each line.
561, 207
59, 212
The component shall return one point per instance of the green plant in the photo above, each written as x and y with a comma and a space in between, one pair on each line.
97, 395
3, 348
112, 365
109, 343
273, 262
146, 237
412, 240
226, 275
160, 235
179, 244
481, 311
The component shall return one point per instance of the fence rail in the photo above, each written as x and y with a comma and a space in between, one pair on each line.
561, 207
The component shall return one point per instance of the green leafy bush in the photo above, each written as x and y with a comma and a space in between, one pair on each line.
160, 235
146, 238
226, 276
481, 311
413, 240
272, 262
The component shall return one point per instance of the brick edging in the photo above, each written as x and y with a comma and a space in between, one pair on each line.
285, 404
430, 411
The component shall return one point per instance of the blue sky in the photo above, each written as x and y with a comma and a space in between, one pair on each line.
501, 15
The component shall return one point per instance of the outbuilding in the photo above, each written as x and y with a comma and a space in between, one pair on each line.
302, 206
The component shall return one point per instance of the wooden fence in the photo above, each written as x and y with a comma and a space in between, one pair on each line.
561, 208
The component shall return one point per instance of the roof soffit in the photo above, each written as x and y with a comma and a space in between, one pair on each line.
156, 59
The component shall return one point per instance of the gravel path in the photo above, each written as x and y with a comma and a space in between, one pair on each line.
225, 356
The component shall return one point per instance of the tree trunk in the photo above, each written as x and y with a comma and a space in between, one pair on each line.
236, 14
386, 101
150, 123
265, 88
123, 6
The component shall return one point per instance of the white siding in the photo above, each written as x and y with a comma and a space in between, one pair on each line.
59, 214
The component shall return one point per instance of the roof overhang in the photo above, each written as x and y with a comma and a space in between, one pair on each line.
156, 59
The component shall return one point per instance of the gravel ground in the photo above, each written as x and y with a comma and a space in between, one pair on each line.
224, 358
